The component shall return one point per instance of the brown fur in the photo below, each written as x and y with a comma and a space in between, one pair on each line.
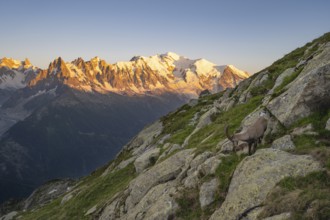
252, 135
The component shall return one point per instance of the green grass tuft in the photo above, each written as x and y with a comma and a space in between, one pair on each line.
97, 190
304, 197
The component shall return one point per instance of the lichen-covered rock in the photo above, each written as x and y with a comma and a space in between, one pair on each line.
327, 126
225, 146
210, 165
199, 159
162, 172
319, 60
282, 216
144, 138
257, 175
9, 216
193, 173
204, 120
169, 148
257, 81
283, 143
146, 159
192, 180
207, 192
307, 129
158, 203
47, 192
91, 210
280, 79
123, 164
308, 92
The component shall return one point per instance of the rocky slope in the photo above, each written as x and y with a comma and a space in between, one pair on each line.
182, 166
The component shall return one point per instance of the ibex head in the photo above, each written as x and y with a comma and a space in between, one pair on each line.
231, 137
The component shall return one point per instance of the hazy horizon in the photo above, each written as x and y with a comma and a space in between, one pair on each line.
250, 35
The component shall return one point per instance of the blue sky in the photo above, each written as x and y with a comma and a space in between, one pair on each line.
249, 34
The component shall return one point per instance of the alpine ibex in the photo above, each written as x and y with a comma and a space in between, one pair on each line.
252, 135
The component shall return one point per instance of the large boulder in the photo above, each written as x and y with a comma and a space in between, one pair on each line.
327, 126
307, 93
158, 203
162, 172
319, 60
210, 165
144, 138
192, 179
283, 143
146, 159
257, 175
204, 120
280, 79
207, 192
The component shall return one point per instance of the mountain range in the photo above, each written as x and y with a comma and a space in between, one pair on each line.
184, 166
68, 119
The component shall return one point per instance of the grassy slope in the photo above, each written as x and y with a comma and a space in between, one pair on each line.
99, 190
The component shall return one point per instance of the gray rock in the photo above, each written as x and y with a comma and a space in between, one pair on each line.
282, 216
204, 120
146, 159
169, 148
48, 192
257, 81
327, 126
280, 79
198, 160
192, 102
162, 172
192, 180
164, 138
257, 175
111, 211
209, 166
307, 92
124, 163
207, 192
9, 216
283, 143
66, 198
193, 174
322, 59
91, 210
308, 129
144, 138
158, 203
225, 146
173, 148
225, 104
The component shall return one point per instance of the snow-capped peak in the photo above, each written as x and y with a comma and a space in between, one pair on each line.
16, 74
168, 72
172, 55
238, 71
10, 63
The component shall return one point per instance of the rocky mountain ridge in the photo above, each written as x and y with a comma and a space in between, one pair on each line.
182, 166
141, 75
16, 74
155, 74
